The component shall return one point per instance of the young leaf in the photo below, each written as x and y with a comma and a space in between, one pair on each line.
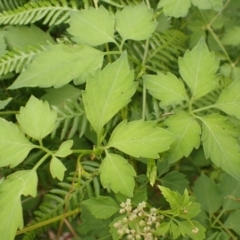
101, 207
57, 168
167, 88
4, 103
198, 68
64, 149
107, 92
151, 171
187, 132
21, 182
116, 173
36, 118
140, 139
135, 22
14, 146
229, 100
175, 8
207, 194
220, 145
96, 24
193, 229
59, 65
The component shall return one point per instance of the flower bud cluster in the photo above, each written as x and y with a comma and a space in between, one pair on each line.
145, 222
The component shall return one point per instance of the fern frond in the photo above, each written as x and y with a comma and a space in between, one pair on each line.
163, 53
53, 12
16, 60
10, 4
71, 119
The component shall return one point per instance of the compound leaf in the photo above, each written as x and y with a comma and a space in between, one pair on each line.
64, 149
220, 145
198, 68
116, 173
36, 118
107, 92
59, 65
14, 146
167, 88
175, 8
21, 182
57, 168
229, 100
140, 139
101, 207
187, 132
135, 22
207, 194
96, 24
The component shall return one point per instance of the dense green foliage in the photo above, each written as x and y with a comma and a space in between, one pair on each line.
120, 119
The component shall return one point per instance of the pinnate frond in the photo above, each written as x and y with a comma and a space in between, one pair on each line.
53, 12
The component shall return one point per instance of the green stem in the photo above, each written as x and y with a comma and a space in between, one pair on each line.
204, 108
9, 112
112, 52
41, 160
55, 219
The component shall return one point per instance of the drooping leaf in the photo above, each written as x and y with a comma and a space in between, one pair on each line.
135, 22
72, 63
175, 8
175, 180
193, 229
4, 103
36, 118
187, 132
21, 182
207, 194
107, 92
208, 4
140, 139
231, 36
96, 24
101, 207
14, 146
232, 221
198, 68
166, 88
57, 168
64, 149
229, 100
116, 173
220, 145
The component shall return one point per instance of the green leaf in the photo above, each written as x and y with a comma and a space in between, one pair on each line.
4, 103
193, 229
230, 189
116, 173
14, 146
101, 207
21, 182
208, 4
135, 22
96, 24
175, 8
163, 228
198, 68
107, 92
167, 88
175, 180
187, 132
59, 65
229, 100
174, 230
64, 149
231, 36
36, 118
140, 139
220, 145
3, 45
232, 221
57, 168
151, 171
207, 194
